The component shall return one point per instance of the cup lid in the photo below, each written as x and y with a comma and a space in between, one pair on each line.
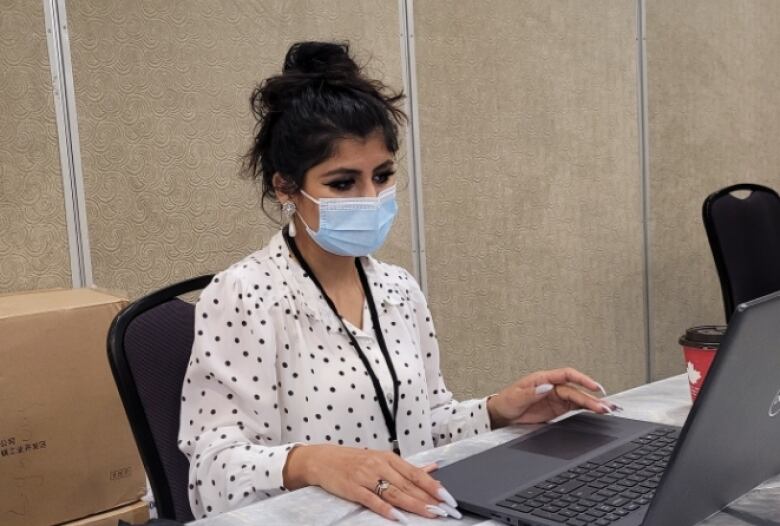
704, 335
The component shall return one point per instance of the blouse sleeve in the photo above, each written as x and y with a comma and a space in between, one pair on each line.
230, 427
451, 420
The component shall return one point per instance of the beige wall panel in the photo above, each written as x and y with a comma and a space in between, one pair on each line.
162, 91
532, 188
33, 232
714, 114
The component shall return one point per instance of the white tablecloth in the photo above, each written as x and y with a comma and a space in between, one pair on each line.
666, 401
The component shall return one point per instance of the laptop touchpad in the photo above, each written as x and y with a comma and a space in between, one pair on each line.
563, 443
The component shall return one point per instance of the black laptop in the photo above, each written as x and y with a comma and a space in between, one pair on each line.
609, 471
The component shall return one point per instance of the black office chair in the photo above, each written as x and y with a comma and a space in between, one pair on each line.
149, 346
744, 236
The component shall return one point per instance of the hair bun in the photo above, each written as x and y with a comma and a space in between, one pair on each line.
321, 59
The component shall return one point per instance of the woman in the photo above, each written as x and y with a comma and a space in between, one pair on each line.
314, 363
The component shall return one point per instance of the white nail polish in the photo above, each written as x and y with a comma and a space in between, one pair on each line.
436, 510
601, 388
446, 497
607, 409
452, 512
544, 388
399, 516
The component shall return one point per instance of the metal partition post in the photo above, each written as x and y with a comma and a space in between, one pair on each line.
644, 162
67, 132
408, 68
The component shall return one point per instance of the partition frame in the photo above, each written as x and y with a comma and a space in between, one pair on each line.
409, 73
58, 42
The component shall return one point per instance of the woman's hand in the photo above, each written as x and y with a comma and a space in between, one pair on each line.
544, 395
353, 474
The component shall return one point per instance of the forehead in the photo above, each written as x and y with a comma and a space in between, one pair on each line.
358, 152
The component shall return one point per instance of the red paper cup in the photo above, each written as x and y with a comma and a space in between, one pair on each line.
699, 347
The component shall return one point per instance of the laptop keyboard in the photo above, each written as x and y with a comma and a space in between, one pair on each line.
604, 489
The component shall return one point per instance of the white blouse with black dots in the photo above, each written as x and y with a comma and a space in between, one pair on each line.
271, 368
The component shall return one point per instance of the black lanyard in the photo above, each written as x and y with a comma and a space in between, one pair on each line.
390, 418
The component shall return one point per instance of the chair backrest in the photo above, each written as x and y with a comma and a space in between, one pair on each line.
744, 236
149, 346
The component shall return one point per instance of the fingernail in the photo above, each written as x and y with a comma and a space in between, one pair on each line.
436, 510
607, 409
544, 388
452, 512
446, 497
616, 407
397, 515
601, 388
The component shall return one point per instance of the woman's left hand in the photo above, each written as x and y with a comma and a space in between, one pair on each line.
544, 395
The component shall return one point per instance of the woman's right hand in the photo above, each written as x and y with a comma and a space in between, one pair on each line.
353, 474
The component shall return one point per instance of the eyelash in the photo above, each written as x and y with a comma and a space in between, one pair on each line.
344, 185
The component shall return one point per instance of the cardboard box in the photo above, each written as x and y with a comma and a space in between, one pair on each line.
136, 513
66, 449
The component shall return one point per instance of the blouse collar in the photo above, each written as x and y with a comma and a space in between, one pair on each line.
385, 287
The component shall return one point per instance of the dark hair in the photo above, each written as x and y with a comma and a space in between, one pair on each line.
321, 96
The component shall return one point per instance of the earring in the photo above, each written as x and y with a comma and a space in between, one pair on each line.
288, 209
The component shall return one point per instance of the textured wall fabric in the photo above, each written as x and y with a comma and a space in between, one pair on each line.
532, 188
162, 91
33, 233
714, 114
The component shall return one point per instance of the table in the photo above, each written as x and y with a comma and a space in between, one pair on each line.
666, 401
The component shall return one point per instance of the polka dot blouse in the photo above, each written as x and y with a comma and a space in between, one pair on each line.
271, 367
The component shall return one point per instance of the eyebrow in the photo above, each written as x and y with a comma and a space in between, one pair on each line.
352, 171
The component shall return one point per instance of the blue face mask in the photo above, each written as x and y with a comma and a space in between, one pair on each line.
353, 226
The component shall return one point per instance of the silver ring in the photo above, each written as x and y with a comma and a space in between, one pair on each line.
381, 486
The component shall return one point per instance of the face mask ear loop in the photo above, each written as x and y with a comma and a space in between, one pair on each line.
298, 212
311, 232
308, 229
310, 198
384, 194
